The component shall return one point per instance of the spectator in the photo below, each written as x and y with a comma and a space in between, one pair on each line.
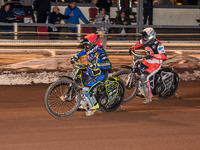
74, 19
105, 4
1, 2
122, 19
42, 9
28, 10
6, 16
126, 6
193, 2
166, 2
55, 17
103, 19
148, 11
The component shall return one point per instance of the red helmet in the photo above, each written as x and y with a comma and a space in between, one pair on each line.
91, 43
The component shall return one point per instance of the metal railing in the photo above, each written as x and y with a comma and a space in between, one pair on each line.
183, 35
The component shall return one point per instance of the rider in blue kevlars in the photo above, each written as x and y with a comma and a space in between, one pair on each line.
97, 71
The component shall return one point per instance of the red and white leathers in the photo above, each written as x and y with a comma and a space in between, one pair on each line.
150, 66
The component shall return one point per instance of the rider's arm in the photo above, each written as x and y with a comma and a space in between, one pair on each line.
81, 53
134, 47
161, 53
75, 58
103, 62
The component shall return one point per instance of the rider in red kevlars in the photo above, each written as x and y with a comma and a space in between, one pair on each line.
155, 55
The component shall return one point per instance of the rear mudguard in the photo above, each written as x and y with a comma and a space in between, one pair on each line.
68, 77
113, 78
128, 67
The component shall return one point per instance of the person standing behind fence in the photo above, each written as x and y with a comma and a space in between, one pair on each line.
1, 2
55, 17
102, 19
104, 4
6, 16
126, 6
122, 19
42, 9
28, 10
74, 19
148, 11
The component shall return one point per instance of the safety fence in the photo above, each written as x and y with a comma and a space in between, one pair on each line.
35, 31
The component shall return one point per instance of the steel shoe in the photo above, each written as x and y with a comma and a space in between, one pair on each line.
92, 110
147, 101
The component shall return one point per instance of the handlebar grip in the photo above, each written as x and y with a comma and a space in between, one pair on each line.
131, 50
74, 59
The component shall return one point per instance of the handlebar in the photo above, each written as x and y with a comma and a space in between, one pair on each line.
79, 66
73, 61
136, 56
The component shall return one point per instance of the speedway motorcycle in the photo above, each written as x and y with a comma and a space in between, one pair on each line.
66, 95
163, 85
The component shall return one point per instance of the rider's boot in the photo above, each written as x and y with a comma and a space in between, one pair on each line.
94, 106
147, 92
140, 94
92, 110
148, 97
147, 100
83, 106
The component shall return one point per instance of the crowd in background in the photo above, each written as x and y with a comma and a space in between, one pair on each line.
40, 12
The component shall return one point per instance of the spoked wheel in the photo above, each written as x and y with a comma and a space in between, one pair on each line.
62, 98
131, 84
173, 88
117, 101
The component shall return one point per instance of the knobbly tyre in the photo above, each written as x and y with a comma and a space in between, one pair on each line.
64, 96
163, 85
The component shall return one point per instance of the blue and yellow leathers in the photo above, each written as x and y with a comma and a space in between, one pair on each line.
100, 66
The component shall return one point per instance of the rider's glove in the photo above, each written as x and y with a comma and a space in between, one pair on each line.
130, 50
149, 57
74, 58
92, 66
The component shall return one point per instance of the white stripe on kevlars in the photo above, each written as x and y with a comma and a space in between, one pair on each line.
92, 50
104, 58
103, 64
154, 61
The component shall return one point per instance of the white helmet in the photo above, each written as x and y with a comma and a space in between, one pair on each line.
147, 35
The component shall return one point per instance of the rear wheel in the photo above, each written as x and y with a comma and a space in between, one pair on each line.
173, 88
117, 102
62, 98
130, 82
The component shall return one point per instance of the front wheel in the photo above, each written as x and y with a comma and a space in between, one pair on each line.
130, 82
62, 98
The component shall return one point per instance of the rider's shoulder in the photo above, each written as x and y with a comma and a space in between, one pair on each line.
157, 42
100, 51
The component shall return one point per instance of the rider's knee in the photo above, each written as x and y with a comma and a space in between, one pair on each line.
144, 78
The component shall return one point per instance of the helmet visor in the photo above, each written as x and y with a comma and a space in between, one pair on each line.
84, 41
144, 36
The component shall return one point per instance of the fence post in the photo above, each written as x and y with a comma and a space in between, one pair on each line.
79, 31
139, 16
103, 39
15, 30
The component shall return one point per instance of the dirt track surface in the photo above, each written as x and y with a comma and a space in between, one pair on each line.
161, 125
